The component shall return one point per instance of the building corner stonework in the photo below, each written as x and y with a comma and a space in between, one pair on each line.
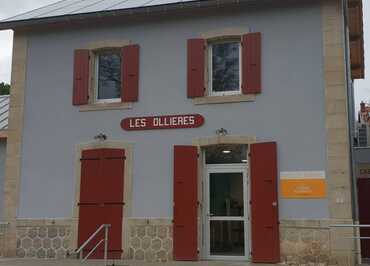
14, 142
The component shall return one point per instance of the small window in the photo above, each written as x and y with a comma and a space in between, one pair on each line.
224, 68
108, 76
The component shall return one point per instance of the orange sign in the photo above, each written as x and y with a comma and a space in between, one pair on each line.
303, 188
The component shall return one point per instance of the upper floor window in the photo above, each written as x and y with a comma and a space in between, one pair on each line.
227, 69
224, 66
108, 76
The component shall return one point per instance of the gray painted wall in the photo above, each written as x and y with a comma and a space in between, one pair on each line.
2, 173
290, 109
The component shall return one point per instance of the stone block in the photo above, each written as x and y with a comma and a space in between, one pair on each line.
66, 243
41, 253
37, 243
42, 232
139, 255
145, 243
156, 244
151, 231
52, 232
21, 253
167, 244
61, 254
161, 256
57, 243
149, 256
62, 231
31, 252
135, 242
46, 243
140, 231
50, 254
26, 243
162, 231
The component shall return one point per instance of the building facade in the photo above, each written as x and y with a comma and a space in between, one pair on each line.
176, 123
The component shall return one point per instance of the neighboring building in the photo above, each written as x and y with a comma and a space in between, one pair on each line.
363, 126
4, 116
172, 121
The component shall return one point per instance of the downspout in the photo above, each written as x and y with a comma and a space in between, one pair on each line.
351, 117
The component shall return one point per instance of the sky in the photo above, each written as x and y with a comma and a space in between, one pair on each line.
14, 7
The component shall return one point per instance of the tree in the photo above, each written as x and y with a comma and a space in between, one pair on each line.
4, 88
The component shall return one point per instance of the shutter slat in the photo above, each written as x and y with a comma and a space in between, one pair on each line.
81, 77
130, 73
251, 63
185, 232
196, 68
264, 199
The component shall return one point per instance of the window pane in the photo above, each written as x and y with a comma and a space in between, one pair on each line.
227, 238
109, 83
225, 154
226, 194
225, 67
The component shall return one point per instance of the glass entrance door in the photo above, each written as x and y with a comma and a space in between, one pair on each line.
226, 218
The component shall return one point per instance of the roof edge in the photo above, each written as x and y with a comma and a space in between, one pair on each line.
66, 19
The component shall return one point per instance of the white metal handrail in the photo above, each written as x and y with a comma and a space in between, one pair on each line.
357, 238
105, 240
92, 251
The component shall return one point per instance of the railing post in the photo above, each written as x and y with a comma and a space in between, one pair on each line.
106, 229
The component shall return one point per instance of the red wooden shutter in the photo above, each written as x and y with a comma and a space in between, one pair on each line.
185, 233
264, 199
101, 199
196, 65
130, 73
81, 77
251, 63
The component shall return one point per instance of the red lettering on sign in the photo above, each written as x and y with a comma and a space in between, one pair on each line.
162, 122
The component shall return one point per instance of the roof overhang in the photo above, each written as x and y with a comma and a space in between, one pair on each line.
112, 15
356, 36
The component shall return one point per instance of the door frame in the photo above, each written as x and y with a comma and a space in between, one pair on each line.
127, 190
225, 168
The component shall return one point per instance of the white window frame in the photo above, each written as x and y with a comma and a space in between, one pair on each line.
96, 74
210, 69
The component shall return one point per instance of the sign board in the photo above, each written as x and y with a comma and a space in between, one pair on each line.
162, 122
303, 185
363, 170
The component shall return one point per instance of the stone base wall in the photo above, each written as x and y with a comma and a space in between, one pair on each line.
150, 240
40, 240
3, 230
310, 242
304, 242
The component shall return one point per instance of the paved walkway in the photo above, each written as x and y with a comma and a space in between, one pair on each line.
30, 262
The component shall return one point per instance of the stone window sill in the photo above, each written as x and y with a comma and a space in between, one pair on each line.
105, 107
224, 99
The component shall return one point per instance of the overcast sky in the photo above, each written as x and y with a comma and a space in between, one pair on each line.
13, 7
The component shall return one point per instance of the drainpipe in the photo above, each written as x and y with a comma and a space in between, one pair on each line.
351, 117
